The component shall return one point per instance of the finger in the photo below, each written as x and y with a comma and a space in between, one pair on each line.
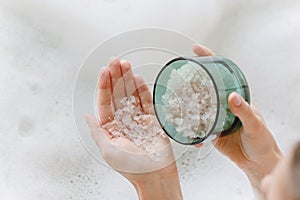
128, 77
252, 123
200, 50
105, 105
117, 82
144, 95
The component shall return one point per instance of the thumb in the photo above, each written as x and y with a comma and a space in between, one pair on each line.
102, 138
201, 50
99, 134
240, 108
92, 122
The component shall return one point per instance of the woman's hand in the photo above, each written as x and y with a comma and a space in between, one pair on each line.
153, 179
252, 147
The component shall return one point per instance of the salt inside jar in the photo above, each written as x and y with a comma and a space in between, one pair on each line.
190, 98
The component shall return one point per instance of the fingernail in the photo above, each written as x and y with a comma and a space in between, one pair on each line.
195, 46
237, 100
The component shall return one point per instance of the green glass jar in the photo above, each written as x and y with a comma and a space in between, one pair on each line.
190, 98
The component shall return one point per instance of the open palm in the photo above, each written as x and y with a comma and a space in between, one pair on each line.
116, 83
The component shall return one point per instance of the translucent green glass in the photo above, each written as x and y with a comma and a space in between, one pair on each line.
226, 77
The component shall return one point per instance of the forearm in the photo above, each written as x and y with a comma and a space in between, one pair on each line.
160, 189
257, 171
255, 176
163, 185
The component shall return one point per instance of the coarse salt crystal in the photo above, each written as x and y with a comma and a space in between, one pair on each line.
132, 123
189, 103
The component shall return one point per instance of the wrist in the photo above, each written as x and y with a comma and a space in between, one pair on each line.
162, 184
164, 188
255, 175
257, 170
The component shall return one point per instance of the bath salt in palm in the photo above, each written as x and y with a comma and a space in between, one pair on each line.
132, 123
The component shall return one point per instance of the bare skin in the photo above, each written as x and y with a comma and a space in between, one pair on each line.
252, 148
278, 185
116, 82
